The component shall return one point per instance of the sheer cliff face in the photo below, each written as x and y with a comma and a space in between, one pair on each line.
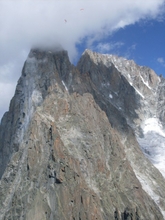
68, 148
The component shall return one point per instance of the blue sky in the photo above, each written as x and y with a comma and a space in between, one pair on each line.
133, 29
143, 42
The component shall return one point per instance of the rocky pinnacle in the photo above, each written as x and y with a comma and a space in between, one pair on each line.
70, 142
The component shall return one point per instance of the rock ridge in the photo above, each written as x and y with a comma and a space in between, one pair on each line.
68, 145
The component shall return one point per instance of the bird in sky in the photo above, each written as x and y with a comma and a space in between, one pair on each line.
82, 9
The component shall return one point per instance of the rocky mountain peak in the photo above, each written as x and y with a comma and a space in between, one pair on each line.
128, 68
69, 144
136, 92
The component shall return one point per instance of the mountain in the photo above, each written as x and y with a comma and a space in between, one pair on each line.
83, 142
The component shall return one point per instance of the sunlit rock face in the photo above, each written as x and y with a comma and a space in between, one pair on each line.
69, 144
137, 93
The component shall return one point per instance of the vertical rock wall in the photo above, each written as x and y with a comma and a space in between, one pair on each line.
76, 154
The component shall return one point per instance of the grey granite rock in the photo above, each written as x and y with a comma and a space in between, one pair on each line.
68, 148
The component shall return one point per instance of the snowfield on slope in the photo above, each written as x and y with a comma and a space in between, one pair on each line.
152, 143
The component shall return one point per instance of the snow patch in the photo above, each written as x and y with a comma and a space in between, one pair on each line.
110, 96
64, 85
148, 189
146, 83
153, 143
117, 67
139, 93
153, 124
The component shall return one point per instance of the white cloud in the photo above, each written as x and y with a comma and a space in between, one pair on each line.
161, 61
133, 47
108, 47
129, 51
27, 23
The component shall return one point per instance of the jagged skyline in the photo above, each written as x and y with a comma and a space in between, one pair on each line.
75, 25
69, 143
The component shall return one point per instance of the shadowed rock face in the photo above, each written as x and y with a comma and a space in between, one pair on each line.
68, 148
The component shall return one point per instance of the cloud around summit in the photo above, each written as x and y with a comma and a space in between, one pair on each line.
28, 23
31, 22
